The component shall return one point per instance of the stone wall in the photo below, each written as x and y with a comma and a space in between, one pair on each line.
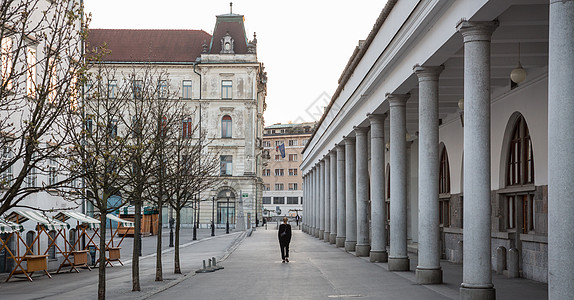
535, 261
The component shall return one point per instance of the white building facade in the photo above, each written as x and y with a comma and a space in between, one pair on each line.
219, 77
451, 132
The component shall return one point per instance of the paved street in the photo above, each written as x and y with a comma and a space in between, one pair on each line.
83, 285
253, 270
318, 270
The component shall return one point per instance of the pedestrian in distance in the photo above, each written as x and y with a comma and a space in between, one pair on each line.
284, 235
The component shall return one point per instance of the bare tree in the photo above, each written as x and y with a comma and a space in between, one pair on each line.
193, 168
101, 151
41, 60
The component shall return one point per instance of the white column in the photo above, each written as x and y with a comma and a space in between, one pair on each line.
398, 257
321, 199
560, 150
351, 205
305, 211
341, 205
317, 201
428, 269
378, 210
327, 192
333, 194
477, 278
363, 246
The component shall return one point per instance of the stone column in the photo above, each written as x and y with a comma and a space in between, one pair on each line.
341, 205
321, 199
333, 194
428, 269
306, 204
351, 205
317, 202
398, 257
327, 192
363, 246
560, 151
378, 210
317, 195
477, 278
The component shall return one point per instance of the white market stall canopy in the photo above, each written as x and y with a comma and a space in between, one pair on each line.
9, 227
80, 217
119, 220
21, 216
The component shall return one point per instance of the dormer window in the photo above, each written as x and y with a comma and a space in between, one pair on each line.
227, 44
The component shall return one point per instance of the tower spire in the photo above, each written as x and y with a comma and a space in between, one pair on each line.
230, 8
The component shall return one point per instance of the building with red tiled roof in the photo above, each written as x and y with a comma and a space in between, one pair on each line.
221, 80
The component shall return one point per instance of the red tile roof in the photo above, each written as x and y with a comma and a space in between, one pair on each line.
137, 45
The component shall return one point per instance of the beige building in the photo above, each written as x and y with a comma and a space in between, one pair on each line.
220, 78
282, 181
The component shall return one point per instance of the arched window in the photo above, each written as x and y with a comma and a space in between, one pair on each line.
30, 235
444, 189
72, 238
520, 163
520, 208
226, 126
52, 245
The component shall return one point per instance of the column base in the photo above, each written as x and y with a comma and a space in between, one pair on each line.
332, 238
378, 256
321, 234
362, 250
398, 264
340, 242
316, 232
429, 276
350, 246
477, 293
326, 236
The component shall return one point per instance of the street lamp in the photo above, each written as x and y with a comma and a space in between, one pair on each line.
228, 194
195, 221
212, 216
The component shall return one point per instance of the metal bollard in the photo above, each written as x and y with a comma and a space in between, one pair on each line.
204, 270
215, 264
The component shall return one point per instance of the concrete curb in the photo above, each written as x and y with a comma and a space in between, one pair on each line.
236, 242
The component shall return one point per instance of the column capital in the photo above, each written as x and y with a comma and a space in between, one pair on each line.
427, 73
397, 99
377, 118
333, 152
476, 31
349, 139
360, 130
322, 162
326, 157
340, 148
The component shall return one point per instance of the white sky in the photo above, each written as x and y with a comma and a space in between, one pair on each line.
304, 44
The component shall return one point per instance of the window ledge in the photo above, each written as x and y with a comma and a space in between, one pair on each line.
517, 189
452, 230
534, 238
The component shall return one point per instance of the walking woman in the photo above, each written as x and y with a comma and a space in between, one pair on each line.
284, 235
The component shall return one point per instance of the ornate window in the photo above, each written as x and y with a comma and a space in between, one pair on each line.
520, 163
444, 189
520, 208
226, 126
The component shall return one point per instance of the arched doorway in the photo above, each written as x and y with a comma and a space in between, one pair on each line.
226, 208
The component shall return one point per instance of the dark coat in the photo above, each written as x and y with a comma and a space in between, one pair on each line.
286, 229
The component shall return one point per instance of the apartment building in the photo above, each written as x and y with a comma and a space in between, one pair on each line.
282, 182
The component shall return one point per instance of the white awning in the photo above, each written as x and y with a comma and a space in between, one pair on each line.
84, 219
21, 216
121, 221
9, 227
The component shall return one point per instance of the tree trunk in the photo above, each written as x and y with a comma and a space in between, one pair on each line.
158, 266
177, 268
137, 246
102, 267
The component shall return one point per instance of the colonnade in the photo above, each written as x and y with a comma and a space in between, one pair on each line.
339, 190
